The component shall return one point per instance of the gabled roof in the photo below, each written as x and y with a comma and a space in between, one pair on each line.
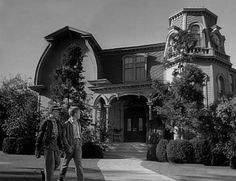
67, 29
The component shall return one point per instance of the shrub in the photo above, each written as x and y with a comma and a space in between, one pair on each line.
9, 145
202, 151
218, 157
92, 150
180, 151
161, 154
151, 152
25, 146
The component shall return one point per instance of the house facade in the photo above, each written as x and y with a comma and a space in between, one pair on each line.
119, 80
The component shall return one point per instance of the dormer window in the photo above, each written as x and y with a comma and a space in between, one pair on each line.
195, 31
134, 68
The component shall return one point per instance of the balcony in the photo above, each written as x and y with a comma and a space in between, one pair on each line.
208, 52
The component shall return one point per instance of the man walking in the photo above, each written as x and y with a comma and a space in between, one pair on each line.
49, 140
72, 143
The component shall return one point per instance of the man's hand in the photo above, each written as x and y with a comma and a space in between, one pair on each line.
37, 153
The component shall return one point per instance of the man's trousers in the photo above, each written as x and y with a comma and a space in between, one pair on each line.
52, 161
77, 156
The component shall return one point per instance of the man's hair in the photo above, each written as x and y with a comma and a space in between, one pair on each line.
72, 110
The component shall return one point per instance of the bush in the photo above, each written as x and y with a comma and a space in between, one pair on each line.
180, 151
202, 151
9, 145
92, 150
25, 146
218, 157
161, 154
151, 152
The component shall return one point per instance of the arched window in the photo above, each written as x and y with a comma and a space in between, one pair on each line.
195, 32
221, 85
134, 68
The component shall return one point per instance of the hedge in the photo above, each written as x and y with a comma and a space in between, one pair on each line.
202, 151
161, 154
92, 150
180, 151
25, 146
13, 145
9, 145
151, 152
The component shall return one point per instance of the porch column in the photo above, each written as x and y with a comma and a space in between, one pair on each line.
148, 126
149, 110
97, 120
107, 116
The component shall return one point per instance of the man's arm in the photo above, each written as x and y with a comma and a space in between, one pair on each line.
39, 138
67, 146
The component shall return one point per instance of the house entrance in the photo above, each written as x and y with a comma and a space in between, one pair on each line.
135, 124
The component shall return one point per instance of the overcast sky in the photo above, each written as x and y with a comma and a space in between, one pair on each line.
113, 23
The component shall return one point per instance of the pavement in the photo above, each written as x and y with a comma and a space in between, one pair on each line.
122, 161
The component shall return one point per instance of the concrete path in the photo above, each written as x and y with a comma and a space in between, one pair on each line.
128, 170
123, 162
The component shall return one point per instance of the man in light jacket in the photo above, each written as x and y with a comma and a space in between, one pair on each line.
72, 140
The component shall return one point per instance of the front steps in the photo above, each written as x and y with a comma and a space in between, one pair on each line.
126, 150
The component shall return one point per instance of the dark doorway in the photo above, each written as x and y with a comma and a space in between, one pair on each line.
135, 124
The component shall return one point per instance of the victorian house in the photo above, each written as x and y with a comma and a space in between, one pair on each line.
119, 80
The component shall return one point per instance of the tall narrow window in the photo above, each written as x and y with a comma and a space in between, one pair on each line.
129, 124
195, 31
129, 69
139, 68
231, 82
221, 85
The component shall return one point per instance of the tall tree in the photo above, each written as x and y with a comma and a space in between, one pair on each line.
67, 86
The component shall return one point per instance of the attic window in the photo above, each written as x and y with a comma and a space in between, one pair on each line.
134, 68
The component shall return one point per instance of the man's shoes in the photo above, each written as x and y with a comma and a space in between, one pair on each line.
43, 175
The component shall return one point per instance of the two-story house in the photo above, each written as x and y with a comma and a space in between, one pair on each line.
119, 80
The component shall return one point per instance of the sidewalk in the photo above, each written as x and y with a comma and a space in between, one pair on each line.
27, 168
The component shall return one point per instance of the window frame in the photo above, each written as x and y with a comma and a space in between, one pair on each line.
134, 68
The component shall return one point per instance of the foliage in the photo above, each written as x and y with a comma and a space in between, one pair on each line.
21, 116
161, 150
181, 100
67, 81
92, 150
9, 145
202, 150
154, 138
25, 146
180, 151
181, 42
151, 152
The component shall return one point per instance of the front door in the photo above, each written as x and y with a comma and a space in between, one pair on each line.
135, 124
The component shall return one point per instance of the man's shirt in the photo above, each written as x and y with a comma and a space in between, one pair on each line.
76, 128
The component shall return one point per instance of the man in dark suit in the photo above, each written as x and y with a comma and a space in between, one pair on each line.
49, 141
72, 140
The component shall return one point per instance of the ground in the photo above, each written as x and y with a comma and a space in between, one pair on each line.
122, 162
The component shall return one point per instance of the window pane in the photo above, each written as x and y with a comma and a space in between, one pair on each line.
128, 60
195, 30
129, 124
139, 59
128, 74
140, 73
140, 123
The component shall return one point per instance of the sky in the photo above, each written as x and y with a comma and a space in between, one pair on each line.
113, 23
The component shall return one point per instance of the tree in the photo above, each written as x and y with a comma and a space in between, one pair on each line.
181, 100
67, 86
20, 103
